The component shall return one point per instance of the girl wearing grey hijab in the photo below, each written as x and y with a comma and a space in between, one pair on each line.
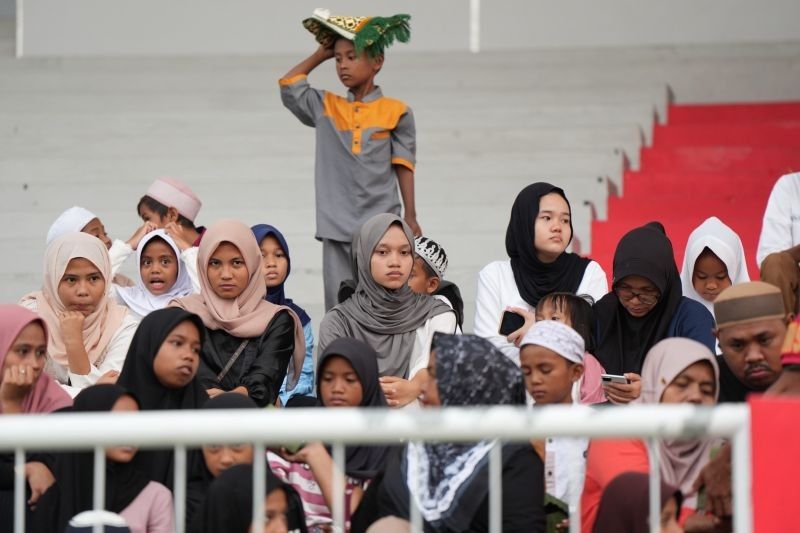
385, 313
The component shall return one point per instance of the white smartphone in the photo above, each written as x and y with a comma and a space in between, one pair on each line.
614, 378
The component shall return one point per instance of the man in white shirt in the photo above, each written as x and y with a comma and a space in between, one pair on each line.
779, 245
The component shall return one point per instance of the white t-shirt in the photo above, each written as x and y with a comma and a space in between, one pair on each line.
781, 227
498, 290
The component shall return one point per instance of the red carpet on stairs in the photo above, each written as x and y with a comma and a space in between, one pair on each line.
709, 160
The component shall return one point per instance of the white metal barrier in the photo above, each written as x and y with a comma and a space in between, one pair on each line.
182, 429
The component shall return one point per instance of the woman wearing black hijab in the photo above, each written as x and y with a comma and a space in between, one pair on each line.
538, 234
146, 505
160, 370
646, 305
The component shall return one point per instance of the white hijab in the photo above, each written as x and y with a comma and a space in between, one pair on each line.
140, 300
725, 244
73, 219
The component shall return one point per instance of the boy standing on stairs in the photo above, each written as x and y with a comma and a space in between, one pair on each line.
365, 141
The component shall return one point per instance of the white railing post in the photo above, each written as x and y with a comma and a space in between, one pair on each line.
742, 479
338, 487
99, 492
496, 488
474, 26
179, 488
415, 514
655, 486
19, 490
259, 486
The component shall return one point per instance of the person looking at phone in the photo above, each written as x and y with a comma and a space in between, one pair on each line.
646, 304
538, 234
675, 371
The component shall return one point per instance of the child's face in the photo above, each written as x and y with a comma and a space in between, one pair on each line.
220, 457
696, 384
419, 281
339, 385
710, 276
392, 259
354, 70
178, 358
548, 311
227, 272
552, 232
548, 376
82, 286
158, 267
275, 508
123, 454
96, 228
148, 215
29, 348
275, 264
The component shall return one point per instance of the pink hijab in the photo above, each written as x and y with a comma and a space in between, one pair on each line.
99, 327
248, 315
681, 460
46, 395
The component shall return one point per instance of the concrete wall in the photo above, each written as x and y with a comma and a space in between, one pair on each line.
8, 8
234, 27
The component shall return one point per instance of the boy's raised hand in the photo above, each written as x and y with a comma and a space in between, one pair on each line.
324, 52
139, 234
178, 235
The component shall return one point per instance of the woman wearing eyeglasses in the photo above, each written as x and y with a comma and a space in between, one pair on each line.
645, 305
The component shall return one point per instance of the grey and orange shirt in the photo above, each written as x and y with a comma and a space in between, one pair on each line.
358, 144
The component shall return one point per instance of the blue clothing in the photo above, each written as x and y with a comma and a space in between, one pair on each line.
305, 385
693, 321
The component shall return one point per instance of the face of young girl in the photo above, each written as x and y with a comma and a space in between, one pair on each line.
710, 276
552, 231
548, 376
82, 286
158, 267
28, 349
275, 264
276, 506
696, 384
339, 385
392, 259
227, 272
96, 228
178, 358
123, 454
220, 457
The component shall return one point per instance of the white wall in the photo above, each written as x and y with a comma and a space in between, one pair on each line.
8, 8
233, 27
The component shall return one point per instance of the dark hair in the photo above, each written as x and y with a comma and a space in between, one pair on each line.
161, 209
580, 312
429, 273
156, 239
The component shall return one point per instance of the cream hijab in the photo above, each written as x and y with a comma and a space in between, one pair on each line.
249, 315
681, 460
725, 244
99, 327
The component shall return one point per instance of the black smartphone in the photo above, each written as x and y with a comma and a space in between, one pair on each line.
511, 322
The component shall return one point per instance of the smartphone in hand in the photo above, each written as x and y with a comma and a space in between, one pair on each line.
614, 378
510, 323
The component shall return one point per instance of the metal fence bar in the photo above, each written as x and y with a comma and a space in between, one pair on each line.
655, 486
413, 509
19, 490
742, 479
259, 486
338, 487
475, 26
99, 493
179, 488
496, 488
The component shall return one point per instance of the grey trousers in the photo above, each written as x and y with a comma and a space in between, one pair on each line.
336, 267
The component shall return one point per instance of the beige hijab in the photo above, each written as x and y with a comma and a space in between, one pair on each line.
681, 460
248, 315
99, 327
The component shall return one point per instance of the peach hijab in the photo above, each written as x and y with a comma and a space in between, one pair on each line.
99, 327
250, 314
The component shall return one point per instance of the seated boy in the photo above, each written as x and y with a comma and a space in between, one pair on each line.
427, 276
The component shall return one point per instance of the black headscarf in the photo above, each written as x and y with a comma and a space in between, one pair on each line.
624, 506
470, 371
362, 462
623, 340
534, 278
74, 473
139, 377
229, 505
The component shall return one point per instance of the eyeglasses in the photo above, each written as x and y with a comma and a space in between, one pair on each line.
647, 298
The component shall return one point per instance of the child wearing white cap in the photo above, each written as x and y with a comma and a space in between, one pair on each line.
551, 358
427, 276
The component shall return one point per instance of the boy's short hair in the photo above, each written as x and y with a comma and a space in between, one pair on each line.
580, 311
432, 255
161, 209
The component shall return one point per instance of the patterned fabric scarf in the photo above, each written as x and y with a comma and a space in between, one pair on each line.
444, 478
